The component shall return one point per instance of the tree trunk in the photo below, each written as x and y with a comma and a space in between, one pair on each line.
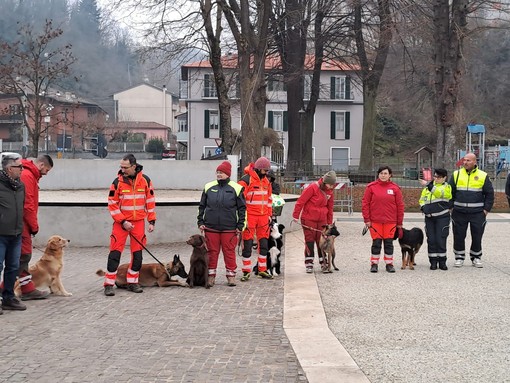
371, 73
213, 41
251, 40
366, 162
449, 31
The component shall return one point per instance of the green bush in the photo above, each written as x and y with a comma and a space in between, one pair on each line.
155, 145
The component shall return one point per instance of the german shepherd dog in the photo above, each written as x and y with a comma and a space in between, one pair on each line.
327, 247
274, 245
199, 262
410, 244
152, 274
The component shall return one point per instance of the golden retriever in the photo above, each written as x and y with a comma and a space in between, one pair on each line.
48, 269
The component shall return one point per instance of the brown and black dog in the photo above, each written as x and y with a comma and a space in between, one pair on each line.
327, 247
47, 270
199, 262
410, 242
152, 274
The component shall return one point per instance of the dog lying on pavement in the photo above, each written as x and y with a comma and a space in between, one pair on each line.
47, 271
199, 262
410, 243
152, 274
327, 247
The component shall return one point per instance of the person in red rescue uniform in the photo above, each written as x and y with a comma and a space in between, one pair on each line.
131, 200
257, 193
383, 212
30, 176
314, 208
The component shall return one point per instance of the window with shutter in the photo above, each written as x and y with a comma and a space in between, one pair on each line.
209, 86
206, 124
340, 125
339, 88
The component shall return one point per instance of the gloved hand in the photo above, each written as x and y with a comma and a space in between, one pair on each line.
34, 233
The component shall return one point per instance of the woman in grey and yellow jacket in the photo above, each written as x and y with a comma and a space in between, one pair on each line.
435, 202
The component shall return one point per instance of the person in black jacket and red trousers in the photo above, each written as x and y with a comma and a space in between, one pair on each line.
221, 216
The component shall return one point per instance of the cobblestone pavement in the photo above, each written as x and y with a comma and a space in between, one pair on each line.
172, 334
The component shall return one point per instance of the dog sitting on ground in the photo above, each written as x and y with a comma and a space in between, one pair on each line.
199, 262
47, 271
327, 247
275, 245
152, 274
410, 242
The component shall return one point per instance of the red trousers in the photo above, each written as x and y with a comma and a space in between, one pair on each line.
225, 241
119, 236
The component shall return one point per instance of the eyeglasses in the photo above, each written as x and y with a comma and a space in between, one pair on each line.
126, 167
17, 166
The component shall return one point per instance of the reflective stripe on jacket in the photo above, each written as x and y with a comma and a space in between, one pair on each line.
257, 193
435, 199
222, 206
132, 199
472, 192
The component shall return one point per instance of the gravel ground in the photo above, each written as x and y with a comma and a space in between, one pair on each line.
422, 325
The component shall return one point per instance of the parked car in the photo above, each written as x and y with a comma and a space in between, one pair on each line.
169, 154
277, 168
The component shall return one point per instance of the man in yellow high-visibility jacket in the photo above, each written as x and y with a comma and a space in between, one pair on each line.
473, 197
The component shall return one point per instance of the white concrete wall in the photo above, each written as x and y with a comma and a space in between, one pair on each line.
89, 226
73, 174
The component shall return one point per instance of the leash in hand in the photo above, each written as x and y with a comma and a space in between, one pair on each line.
152, 255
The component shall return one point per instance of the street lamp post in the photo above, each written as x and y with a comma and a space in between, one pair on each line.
47, 120
301, 117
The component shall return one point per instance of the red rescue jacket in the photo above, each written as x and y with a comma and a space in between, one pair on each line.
132, 199
30, 177
315, 204
257, 193
383, 203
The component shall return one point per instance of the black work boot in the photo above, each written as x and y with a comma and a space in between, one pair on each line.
135, 287
108, 291
390, 268
13, 304
373, 268
442, 263
433, 263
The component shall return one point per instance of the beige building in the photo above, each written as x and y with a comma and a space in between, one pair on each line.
338, 120
146, 103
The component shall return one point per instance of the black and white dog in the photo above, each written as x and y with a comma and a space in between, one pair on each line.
275, 245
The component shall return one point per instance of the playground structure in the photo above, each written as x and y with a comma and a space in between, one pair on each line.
491, 159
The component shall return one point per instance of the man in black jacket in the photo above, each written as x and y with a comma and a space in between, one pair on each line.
12, 196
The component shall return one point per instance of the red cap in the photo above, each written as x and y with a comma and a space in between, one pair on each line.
225, 167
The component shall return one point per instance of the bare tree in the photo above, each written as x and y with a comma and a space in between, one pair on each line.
445, 26
177, 32
28, 68
307, 33
249, 25
372, 46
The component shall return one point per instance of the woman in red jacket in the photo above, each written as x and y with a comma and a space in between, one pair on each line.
315, 208
383, 213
